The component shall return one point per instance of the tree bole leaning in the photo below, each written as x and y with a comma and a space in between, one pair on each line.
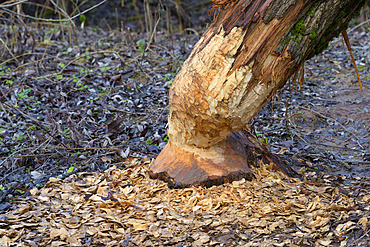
248, 53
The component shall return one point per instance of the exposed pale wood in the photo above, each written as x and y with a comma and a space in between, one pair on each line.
243, 59
222, 162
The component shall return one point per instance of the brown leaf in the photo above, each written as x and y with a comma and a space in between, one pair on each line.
139, 226
74, 241
363, 221
34, 191
59, 232
324, 242
57, 243
113, 126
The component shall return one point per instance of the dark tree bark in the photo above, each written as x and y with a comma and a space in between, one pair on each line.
249, 52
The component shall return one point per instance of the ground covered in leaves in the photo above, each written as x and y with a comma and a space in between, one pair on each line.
82, 115
123, 207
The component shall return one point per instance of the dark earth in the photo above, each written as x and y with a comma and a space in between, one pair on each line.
88, 100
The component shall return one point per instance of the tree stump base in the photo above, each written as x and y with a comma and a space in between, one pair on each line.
224, 162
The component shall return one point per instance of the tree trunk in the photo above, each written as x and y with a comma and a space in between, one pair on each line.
249, 52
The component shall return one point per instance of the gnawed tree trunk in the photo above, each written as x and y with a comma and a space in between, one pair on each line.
248, 53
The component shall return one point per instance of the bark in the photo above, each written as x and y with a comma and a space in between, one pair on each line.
248, 53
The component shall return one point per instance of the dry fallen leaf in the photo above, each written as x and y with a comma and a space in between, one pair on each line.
363, 221
126, 205
324, 242
57, 243
140, 227
34, 191
60, 232
366, 198
53, 180
343, 228
74, 241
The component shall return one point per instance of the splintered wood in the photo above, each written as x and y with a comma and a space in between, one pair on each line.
125, 207
246, 55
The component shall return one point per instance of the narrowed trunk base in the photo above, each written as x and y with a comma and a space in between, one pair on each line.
224, 162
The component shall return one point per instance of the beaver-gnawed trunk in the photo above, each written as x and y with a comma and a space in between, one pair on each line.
248, 53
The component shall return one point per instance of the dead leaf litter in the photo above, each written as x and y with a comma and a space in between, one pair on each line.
124, 207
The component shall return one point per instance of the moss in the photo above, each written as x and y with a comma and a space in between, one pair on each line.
299, 28
321, 46
312, 34
296, 33
334, 30
310, 27
329, 35
311, 11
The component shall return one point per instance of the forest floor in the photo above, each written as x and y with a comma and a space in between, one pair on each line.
80, 124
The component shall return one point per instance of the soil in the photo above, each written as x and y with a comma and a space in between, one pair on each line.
89, 101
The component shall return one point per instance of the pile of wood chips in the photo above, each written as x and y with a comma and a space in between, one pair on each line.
124, 207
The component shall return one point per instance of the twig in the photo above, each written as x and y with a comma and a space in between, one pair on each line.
360, 238
4, 95
32, 17
34, 62
74, 60
26, 155
24, 114
63, 12
51, 20
10, 52
192, 30
42, 144
43, 55
323, 116
332, 146
2, 107
189, 228
93, 7
140, 66
7, 174
160, 115
22, 55
138, 14
116, 148
37, 122
359, 25
153, 32
12, 4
